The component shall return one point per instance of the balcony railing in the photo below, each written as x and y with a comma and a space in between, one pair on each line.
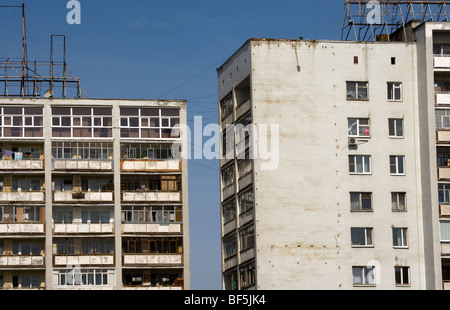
152, 288
150, 165
21, 228
22, 196
132, 196
95, 165
152, 259
144, 228
35, 164
21, 260
87, 228
83, 260
69, 196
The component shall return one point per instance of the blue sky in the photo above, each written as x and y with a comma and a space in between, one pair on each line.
168, 49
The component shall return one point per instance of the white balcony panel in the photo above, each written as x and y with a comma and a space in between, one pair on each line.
229, 227
230, 262
21, 164
151, 196
88, 196
444, 173
151, 228
21, 228
242, 109
82, 164
445, 248
142, 259
83, 228
22, 196
441, 62
84, 260
443, 135
443, 98
26, 260
151, 165
247, 255
152, 288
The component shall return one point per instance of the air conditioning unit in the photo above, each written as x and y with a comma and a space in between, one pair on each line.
352, 142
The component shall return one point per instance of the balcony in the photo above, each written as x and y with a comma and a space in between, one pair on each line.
152, 228
22, 164
22, 196
22, 228
80, 165
152, 288
83, 260
83, 197
444, 173
150, 165
88, 228
137, 196
22, 261
445, 248
152, 259
444, 210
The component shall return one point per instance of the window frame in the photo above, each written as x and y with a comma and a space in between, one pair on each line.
392, 92
397, 196
364, 274
360, 128
397, 165
400, 271
360, 202
395, 128
368, 237
355, 164
359, 85
403, 237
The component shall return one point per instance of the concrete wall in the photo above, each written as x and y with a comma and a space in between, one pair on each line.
302, 212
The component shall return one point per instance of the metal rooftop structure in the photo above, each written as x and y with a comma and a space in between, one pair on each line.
376, 20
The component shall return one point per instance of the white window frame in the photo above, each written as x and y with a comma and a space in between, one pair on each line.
368, 236
403, 235
392, 87
360, 127
365, 281
397, 164
354, 163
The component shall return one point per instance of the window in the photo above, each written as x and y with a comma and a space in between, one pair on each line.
358, 127
361, 237
445, 231
246, 201
361, 201
226, 105
441, 50
442, 118
392, 60
357, 91
394, 91
247, 276
443, 157
230, 246
400, 237
401, 275
150, 123
396, 128
444, 193
359, 164
81, 122
229, 211
21, 122
363, 275
397, 165
247, 238
90, 277
398, 202
152, 214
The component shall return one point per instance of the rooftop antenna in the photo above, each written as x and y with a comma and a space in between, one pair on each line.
15, 76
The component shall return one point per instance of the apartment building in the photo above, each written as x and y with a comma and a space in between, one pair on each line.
359, 198
93, 194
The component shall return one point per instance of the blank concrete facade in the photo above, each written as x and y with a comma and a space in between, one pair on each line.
92, 196
355, 202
